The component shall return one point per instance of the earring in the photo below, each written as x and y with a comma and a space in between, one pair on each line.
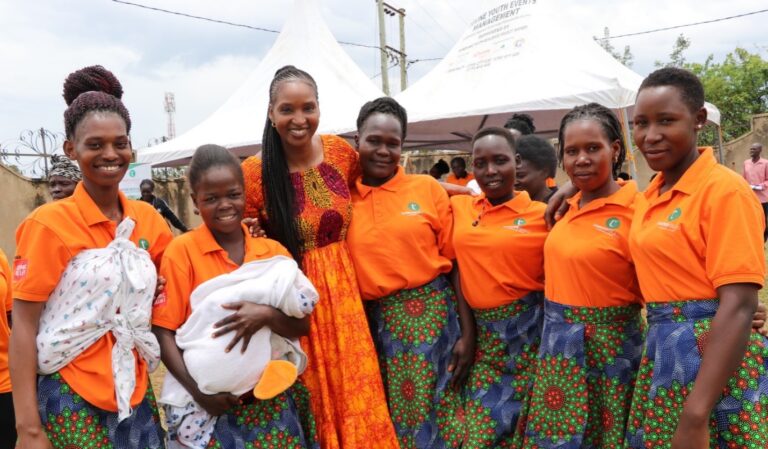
273, 125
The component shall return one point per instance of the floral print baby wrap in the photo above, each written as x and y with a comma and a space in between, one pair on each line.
103, 290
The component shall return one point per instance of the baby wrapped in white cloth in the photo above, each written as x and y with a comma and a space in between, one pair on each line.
276, 282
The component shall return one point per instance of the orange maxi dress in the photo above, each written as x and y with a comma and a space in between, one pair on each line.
343, 376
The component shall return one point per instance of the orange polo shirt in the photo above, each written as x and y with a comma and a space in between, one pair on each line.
704, 232
400, 234
6, 301
501, 258
586, 256
194, 258
452, 179
46, 241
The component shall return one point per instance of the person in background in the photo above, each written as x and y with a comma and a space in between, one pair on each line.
63, 177
520, 125
7, 419
147, 188
537, 164
459, 174
439, 170
756, 174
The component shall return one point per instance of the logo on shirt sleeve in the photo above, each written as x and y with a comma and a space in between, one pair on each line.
160, 300
20, 269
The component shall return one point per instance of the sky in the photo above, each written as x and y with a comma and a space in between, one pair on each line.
203, 63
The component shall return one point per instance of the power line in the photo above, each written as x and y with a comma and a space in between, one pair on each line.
451, 38
224, 22
427, 33
458, 14
687, 25
410, 61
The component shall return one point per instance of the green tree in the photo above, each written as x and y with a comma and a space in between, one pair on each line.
676, 58
625, 57
738, 87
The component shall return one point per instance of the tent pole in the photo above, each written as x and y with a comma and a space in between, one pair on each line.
628, 143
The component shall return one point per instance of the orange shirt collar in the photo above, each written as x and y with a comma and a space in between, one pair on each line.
91, 212
518, 204
205, 241
624, 197
393, 185
691, 179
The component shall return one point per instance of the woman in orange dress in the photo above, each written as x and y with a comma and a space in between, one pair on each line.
299, 190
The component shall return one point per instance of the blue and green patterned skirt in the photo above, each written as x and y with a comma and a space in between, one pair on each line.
414, 332
71, 422
285, 421
677, 338
496, 396
586, 372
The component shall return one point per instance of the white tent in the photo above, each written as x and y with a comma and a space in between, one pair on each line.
516, 56
305, 42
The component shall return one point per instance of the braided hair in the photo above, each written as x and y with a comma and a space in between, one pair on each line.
279, 193
91, 89
383, 105
607, 120
523, 123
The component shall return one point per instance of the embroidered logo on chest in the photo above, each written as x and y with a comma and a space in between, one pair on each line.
610, 227
518, 226
413, 208
671, 225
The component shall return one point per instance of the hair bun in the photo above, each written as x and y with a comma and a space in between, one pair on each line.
286, 68
88, 79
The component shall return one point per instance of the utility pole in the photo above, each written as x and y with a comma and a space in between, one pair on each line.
403, 63
383, 45
387, 9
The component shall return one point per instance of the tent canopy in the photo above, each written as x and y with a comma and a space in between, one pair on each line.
516, 56
305, 42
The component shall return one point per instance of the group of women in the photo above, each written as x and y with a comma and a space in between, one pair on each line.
436, 326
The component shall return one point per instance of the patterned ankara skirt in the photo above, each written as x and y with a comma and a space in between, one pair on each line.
677, 337
414, 332
497, 392
285, 421
588, 361
71, 422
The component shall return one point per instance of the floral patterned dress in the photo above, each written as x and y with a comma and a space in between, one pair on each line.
343, 374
